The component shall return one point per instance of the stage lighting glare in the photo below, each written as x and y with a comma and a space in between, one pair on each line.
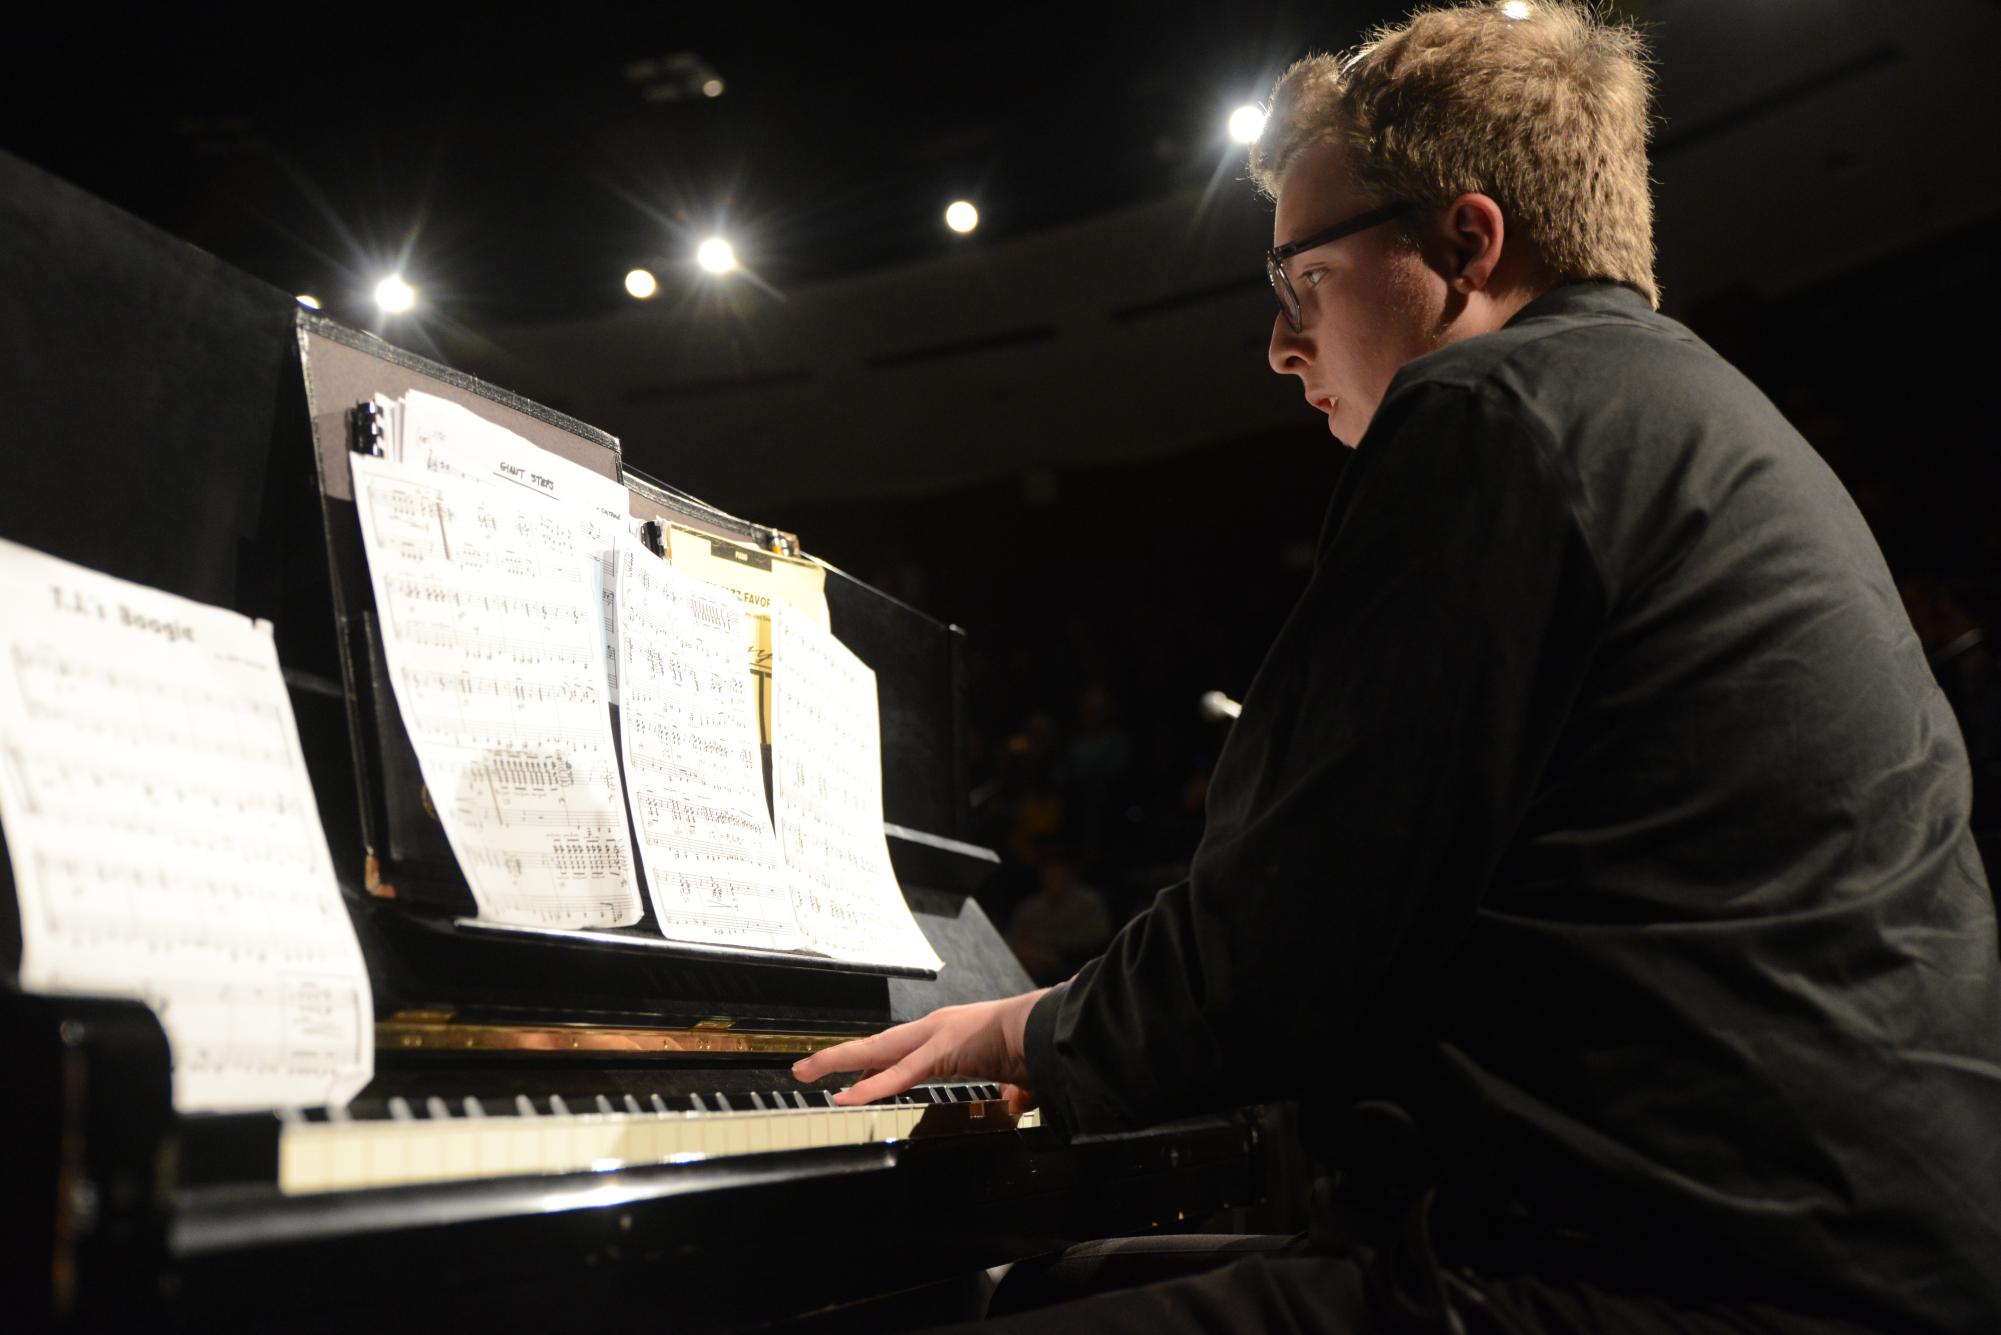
311, 303
961, 217
394, 295
1515, 9
712, 88
716, 255
641, 284
1246, 124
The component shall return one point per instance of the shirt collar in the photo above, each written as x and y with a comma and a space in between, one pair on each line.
1585, 299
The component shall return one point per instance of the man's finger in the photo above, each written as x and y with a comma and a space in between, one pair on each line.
860, 1054
916, 1067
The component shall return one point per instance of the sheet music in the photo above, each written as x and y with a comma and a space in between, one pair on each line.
164, 838
826, 782
445, 438
489, 613
693, 772
759, 579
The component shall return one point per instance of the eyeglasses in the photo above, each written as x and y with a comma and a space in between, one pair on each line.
1275, 258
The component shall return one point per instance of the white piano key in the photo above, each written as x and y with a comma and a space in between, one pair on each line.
304, 1163
455, 1149
387, 1159
347, 1156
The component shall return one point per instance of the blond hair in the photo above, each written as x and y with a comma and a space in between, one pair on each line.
1538, 105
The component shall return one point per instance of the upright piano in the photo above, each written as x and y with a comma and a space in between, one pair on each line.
563, 1128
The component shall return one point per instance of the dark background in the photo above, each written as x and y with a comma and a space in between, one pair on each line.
1058, 433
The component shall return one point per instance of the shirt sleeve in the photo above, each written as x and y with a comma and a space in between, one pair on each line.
1386, 753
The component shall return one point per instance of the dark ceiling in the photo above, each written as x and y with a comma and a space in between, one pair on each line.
519, 166
1112, 305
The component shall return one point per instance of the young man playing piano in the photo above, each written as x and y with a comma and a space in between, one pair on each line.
1594, 817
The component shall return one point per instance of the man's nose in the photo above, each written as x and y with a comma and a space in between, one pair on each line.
1290, 352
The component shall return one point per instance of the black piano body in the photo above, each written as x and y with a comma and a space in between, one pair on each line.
178, 423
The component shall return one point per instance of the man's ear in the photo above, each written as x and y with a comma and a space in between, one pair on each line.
1475, 234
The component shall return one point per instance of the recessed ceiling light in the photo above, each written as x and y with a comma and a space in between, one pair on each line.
716, 255
394, 295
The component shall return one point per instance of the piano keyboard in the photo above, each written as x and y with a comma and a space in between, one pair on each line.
440, 1141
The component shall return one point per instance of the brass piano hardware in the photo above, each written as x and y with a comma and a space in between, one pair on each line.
715, 1022
410, 1032
371, 878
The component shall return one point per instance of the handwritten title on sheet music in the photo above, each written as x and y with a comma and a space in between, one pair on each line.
78, 604
535, 480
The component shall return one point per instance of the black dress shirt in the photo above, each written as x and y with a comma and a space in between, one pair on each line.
1596, 804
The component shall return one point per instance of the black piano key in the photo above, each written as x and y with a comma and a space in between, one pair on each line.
632, 1105
557, 1106
722, 1101
660, 1104
437, 1109
604, 1105
695, 1101
524, 1106
757, 1100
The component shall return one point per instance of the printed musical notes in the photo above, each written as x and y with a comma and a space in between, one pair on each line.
692, 768
491, 623
448, 441
164, 839
826, 781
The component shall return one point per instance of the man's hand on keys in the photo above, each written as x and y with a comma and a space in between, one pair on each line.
982, 1041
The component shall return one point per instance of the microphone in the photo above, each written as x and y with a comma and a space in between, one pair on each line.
1217, 706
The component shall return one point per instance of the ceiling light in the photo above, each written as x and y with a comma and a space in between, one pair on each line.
394, 295
961, 217
641, 283
712, 88
311, 303
1246, 123
716, 255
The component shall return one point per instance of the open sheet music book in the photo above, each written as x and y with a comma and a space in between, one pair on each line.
164, 839
485, 601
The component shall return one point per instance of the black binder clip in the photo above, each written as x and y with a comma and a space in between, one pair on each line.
364, 429
653, 536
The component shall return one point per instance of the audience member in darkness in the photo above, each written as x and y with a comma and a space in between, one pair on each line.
1065, 923
1099, 758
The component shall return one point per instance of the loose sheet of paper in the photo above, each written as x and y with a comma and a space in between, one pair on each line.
761, 580
692, 770
489, 611
826, 785
164, 839
446, 439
